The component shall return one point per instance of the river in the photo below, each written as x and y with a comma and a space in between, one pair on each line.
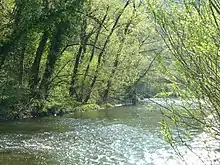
117, 136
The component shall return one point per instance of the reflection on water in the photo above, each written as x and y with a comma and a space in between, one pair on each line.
125, 135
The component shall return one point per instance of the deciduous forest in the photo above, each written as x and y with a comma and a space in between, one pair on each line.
59, 56
69, 53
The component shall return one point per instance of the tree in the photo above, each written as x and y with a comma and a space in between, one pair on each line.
190, 30
66, 53
28, 22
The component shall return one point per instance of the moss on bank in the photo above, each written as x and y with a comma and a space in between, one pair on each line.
59, 109
87, 107
108, 105
19, 110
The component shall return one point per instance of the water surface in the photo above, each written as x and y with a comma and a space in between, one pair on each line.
123, 135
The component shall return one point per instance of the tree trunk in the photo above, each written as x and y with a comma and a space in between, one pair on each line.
131, 90
72, 90
4, 49
7, 47
51, 60
92, 52
20, 51
116, 62
21, 66
34, 75
82, 48
102, 52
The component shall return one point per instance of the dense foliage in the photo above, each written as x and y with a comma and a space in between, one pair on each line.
190, 30
72, 52
65, 54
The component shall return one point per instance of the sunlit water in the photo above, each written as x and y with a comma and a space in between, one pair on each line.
125, 135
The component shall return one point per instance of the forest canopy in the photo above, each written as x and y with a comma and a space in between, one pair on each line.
68, 53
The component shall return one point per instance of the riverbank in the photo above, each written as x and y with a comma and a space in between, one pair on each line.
54, 110
57, 110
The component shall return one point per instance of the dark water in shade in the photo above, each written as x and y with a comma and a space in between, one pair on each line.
118, 136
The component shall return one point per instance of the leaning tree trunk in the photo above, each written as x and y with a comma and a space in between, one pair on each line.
54, 53
116, 62
82, 48
20, 55
102, 52
130, 91
34, 74
92, 53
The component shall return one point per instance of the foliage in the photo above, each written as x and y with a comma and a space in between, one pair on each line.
108, 105
62, 54
190, 30
87, 107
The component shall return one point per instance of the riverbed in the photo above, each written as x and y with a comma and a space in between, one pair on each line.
117, 136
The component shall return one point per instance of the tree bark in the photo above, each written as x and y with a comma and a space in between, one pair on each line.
93, 52
21, 66
102, 52
116, 62
131, 90
52, 57
34, 75
82, 48
4, 49
72, 90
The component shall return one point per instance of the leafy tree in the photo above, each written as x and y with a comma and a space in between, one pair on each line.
66, 53
190, 30
28, 21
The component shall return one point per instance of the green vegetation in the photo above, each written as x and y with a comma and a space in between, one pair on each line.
87, 107
190, 30
62, 54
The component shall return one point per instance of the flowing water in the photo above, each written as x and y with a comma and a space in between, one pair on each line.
117, 136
